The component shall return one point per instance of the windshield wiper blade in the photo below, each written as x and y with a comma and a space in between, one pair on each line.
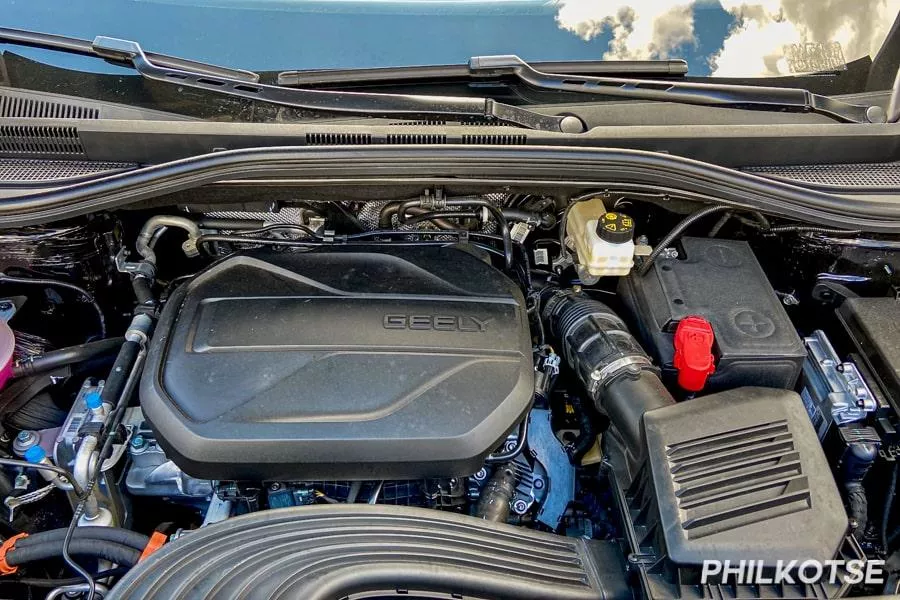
298, 78
224, 81
705, 94
72, 45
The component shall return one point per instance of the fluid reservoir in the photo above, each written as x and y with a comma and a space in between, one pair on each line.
603, 240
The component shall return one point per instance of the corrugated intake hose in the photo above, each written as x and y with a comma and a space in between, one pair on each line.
609, 363
334, 551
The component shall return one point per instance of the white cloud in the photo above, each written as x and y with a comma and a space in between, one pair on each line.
641, 29
755, 45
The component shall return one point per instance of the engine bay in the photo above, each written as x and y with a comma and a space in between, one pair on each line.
629, 385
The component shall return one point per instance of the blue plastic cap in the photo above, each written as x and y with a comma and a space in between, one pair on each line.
35, 454
92, 400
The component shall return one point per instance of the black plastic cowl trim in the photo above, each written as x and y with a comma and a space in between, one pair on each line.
591, 167
332, 552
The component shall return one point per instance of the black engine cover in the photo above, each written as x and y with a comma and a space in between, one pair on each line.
400, 364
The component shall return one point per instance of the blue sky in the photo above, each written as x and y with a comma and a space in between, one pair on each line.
309, 34
282, 35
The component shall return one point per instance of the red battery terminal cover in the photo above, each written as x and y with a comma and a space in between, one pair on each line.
693, 352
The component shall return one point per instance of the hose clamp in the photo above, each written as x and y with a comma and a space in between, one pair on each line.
633, 364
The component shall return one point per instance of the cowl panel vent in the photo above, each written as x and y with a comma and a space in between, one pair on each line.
338, 139
16, 106
416, 138
19, 140
495, 139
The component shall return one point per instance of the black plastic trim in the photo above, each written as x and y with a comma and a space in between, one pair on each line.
515, 165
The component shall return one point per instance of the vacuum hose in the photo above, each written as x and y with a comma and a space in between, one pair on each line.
614, 369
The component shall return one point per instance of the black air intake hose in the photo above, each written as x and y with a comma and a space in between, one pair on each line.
608, 361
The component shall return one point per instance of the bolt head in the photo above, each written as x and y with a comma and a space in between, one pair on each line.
538, 483
520, 506
138, 442
24, 436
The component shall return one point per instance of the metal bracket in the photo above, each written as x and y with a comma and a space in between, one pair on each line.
549, 452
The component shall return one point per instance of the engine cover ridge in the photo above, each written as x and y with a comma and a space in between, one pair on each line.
350, 364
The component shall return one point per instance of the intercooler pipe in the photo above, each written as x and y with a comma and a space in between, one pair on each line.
607, 360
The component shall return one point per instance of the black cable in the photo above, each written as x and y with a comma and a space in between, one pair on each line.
503, 457
282, 226
810, 229
311, 245
498, 216
71, 286
53, 583
486, 204
720, 224
677, 232
70, 532
398, 232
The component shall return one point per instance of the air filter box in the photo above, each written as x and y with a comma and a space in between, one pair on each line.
734, 476
721, 281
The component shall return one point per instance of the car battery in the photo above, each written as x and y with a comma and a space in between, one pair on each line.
721, 281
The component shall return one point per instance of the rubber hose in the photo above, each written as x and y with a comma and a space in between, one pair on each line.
857, 507
517, 214
588, 435
115, 535
493, 502
434, 216
116, 553
143, 291
66, 356
385, 216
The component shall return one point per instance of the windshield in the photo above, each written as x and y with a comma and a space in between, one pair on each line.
722, 38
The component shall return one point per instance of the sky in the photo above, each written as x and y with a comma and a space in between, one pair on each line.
716, 37
756, 34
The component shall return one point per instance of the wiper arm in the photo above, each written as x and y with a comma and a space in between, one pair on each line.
72, 45
219, 80
444, 72
705, 94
